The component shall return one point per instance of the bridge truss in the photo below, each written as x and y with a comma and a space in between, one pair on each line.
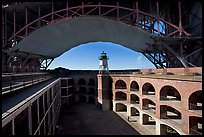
178, 30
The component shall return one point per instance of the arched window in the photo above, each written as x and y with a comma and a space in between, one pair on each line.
82, 82
134, 86
134, 112
195, 125
148, 120
149, 105
120, 84
167, 112
121, 107
134, 99
120, 96
91, 82
148, 89
195, 101
169, 93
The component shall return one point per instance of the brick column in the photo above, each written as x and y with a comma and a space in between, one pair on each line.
104, 92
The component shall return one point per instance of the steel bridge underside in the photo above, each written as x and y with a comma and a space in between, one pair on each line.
30, 29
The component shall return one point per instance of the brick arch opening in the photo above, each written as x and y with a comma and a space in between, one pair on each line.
81, 82
119, 95
170, 113
134, 99
82, 90
195, 100
134, 111
120, 84
148, 120
91, 82
149, 105
134, 86
148, 89
121, 107
167, 130
169, 93
134, 115
195, 125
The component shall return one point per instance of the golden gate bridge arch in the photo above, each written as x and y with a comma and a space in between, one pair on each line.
34, 33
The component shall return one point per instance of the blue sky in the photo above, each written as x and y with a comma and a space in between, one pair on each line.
85, 57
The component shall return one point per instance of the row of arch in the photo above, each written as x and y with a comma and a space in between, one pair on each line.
147, 104
166, 93
134, 99
81, 98
168, 113
81, 82
83, 90
65, 91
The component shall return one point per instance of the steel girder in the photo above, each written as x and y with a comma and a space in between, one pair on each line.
139, 14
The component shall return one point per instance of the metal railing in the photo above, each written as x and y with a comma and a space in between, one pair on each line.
149, 93
22, 83
122, 99
134, 89
162, 98
195, 107
117, 87
53, 106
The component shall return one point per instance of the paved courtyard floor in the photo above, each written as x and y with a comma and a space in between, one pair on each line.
87, 119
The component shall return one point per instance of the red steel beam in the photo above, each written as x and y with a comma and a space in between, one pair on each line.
14, 24
137, 13
3, 25
26, 20
67, 11
117, 7
82, 12
99, 9
52, 10
180, 19
180, 28
158, 28
39, 23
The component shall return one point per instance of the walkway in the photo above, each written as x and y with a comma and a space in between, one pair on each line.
87, 119
12, 100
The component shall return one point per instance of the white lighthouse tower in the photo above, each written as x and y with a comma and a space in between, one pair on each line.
104, 85
103, 67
